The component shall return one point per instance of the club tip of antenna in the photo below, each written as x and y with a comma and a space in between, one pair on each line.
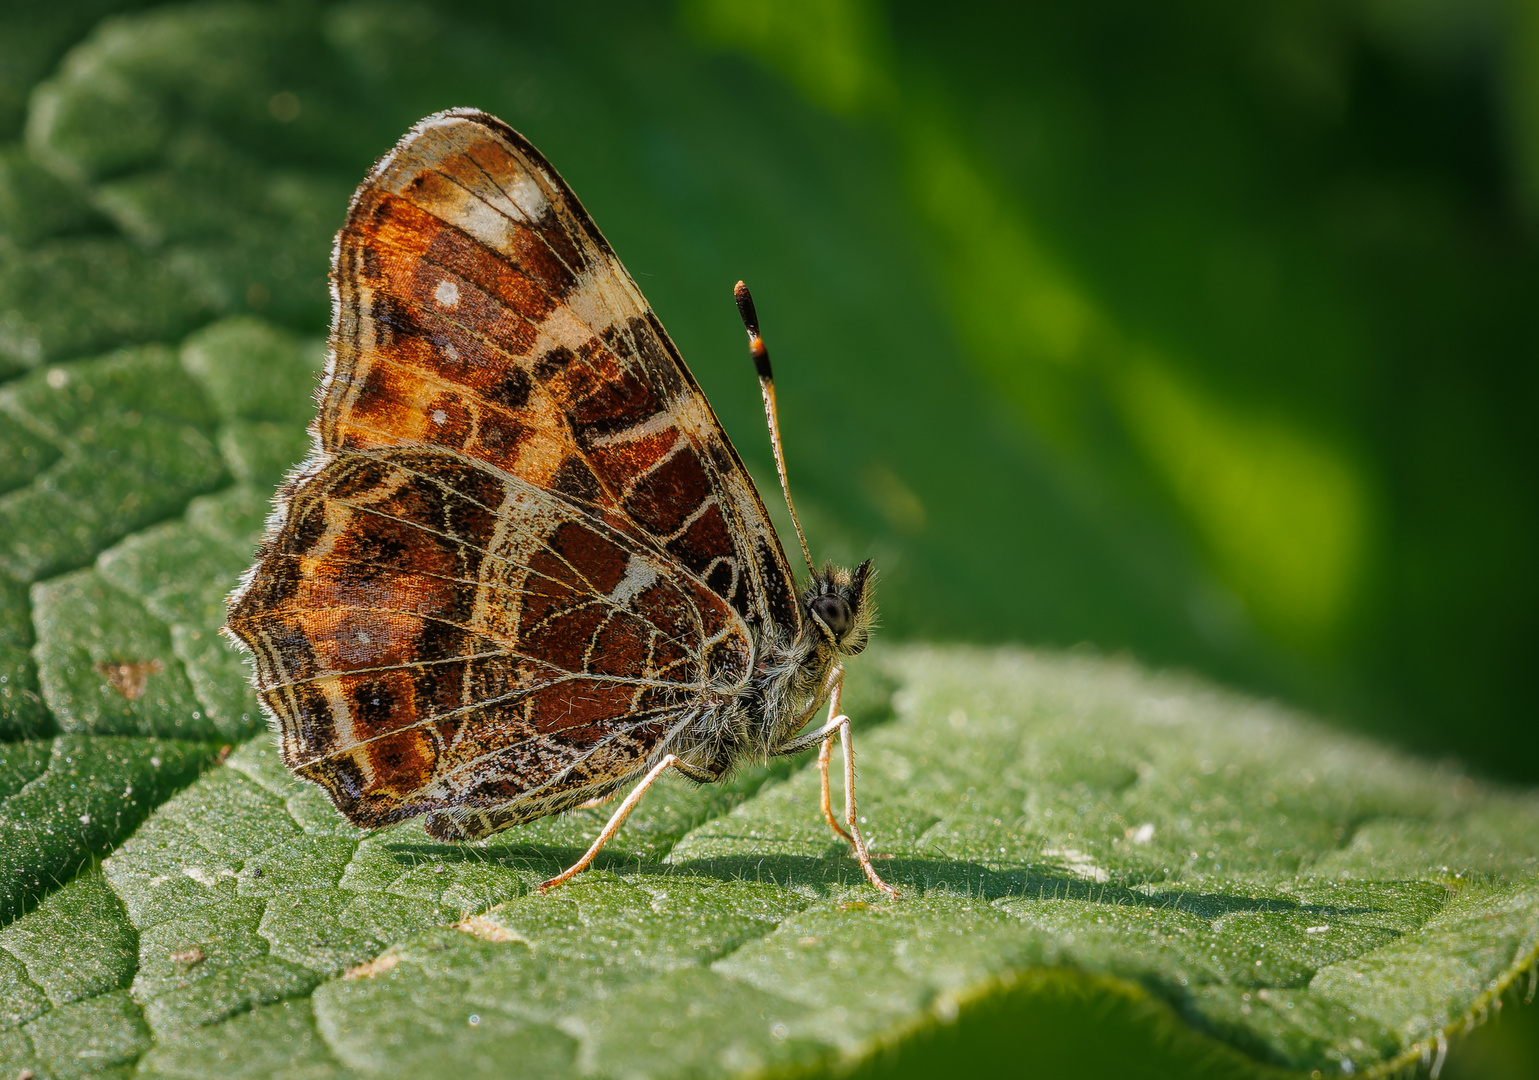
746, 309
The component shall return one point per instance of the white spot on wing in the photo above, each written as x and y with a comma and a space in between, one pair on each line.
484, 222
601, 299
447, 294
528, 197
639, 576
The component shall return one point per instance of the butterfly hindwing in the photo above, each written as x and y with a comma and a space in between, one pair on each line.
524, 548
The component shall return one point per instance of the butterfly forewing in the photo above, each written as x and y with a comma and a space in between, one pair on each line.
524, 548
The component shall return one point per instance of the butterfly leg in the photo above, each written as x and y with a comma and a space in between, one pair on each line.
835, 693
839, 725
857, 841
618, 818
824, 739
824, 752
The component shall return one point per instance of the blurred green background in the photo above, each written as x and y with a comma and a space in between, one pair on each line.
1200, 331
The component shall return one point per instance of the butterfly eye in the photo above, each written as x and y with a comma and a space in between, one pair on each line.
835, 614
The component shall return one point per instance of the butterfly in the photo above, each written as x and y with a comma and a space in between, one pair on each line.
523, 566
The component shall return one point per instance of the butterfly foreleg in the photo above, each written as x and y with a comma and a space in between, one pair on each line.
823, 738
839, 725
836, 691
617, 819
850, 820
824, 752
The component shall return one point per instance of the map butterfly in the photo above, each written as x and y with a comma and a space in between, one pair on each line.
523, 566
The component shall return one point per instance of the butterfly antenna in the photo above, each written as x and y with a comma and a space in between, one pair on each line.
761, 364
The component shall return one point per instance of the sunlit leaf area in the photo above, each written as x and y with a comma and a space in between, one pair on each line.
1175, 363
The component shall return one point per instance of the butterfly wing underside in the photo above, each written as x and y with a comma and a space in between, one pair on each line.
523, 550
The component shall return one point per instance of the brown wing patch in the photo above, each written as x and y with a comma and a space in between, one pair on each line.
431, 635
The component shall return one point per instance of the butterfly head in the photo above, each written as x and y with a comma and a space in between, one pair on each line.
841, 607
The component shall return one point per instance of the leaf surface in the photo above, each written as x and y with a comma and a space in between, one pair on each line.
1302, 900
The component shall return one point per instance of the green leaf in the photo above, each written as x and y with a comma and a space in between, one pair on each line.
133, 436
36, 204
1227, 881
82, 796
77, 944
22, 713
116, 642
72, 296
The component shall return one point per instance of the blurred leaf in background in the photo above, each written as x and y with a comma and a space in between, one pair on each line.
1266, 271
